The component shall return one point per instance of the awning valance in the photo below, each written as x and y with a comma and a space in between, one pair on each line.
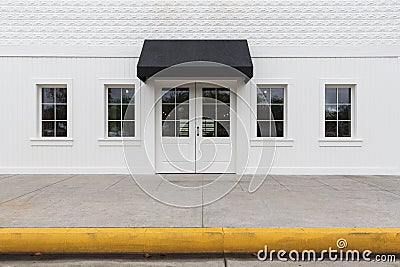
158, 55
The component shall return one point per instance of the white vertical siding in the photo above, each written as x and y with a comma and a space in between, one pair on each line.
377, 114
18, 114
377, 119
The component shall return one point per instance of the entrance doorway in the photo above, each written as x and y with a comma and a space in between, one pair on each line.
195, 127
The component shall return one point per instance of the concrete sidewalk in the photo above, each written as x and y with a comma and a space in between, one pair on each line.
116, 201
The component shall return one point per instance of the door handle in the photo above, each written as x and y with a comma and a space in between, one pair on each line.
198, 131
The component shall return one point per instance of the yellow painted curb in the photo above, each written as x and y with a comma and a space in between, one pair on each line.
194, 240
111, 240
378, 240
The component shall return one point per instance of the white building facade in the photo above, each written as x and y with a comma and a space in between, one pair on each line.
327, 71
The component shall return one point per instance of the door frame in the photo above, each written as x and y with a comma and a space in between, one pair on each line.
158, 84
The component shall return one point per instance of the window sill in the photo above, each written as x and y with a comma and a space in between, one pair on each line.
335, 142
118, 142
271, 142
51, 141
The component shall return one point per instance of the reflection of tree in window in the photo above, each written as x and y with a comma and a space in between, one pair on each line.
216, 112
337, 111
175, 112
270, 112
121, 112
54, 112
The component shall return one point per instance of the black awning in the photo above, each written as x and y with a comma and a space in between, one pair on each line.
158, 55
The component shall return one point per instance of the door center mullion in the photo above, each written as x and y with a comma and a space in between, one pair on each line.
197, 130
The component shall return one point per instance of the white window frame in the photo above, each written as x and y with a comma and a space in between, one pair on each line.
104, 140
353, 140
37, 139
286, 140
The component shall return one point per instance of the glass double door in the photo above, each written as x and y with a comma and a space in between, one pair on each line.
195, 134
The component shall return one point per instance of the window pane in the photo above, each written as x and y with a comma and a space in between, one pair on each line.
263, 129
330, 112
223, 128
61, 128
344, 129
277, 129
330, 96
48, 128
223, 95
168, 111
208, 128
263, 96
182, 128
277, 112
114, 95
182, 95
344, 95
114, 129
277, 95
128, 112
47, 112
48, 95
182, 112
344, 112
168, 128
128, 129
128, 94
61, 112
339, 114
168, 96
223, 112
209, 111
330, 129
114, 112
209, 95
61, 95
263, 112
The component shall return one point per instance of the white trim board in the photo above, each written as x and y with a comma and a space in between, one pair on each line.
71, 170
248, 170
255, 51
324, 171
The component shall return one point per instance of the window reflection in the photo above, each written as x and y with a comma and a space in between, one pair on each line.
208, 127
121, 111
127, 95
48, 128
216, 112
168, 128
114, 95
270, 111
330, 96
182, 128
337, 111
276, 95
182, 95
175, 112
54, 112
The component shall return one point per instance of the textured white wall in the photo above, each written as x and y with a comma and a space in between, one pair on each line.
269, 22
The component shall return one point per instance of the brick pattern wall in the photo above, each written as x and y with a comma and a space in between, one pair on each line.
269, 22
